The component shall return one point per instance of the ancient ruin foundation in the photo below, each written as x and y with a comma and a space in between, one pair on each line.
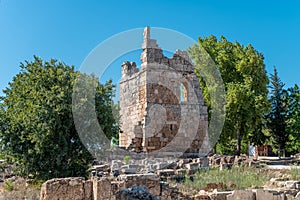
161, 104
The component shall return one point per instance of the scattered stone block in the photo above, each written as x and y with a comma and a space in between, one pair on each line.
202, 196
297, 196
105, 167
116, 164
191, 166
129, 170
220, 195
263, 195
292, 184
204, 162
191, 171
165, 172
180, 172
150, 180
241, 195
229, 159
135, 193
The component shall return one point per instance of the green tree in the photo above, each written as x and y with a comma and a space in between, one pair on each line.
37, 132
243, 72
293, 120
92, 103
276, 119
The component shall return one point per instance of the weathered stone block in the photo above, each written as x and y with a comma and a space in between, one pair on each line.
297, 195
151, 181
129, 170
263, 194
192, 166
135, 193
105, 167
220, 195
102, 189
241, 195
88, 190
66, 188
292, 184
165, 172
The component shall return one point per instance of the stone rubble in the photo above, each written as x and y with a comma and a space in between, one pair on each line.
135, 193
107, 186
147, 186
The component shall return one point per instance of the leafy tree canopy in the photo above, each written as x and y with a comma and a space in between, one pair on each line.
243, 72
37, 129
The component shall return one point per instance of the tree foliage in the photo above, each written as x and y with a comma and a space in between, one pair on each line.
37, 128
243, 72
278, 115
293, 120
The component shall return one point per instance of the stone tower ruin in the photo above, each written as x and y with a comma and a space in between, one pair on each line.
161, 104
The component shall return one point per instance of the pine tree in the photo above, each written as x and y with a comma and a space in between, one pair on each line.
278, 114
293, 122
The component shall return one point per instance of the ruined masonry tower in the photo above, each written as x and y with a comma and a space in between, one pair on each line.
161, 104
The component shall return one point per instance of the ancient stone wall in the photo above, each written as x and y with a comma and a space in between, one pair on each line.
107, 189
67, 188
162, 103
132, 103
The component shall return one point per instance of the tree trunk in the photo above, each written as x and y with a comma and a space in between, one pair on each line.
215, 148
239, 141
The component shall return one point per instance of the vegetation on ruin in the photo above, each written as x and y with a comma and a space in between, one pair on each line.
295, 173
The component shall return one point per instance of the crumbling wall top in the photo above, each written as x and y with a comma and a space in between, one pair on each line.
152, 53
149, 43
129, 68
184, 55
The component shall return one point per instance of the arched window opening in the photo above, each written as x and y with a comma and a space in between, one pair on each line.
183, 93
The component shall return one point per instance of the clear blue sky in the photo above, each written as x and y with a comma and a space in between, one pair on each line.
69, 30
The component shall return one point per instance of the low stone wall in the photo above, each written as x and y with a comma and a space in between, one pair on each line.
217, 160
106, 188
67, 188
150, 186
